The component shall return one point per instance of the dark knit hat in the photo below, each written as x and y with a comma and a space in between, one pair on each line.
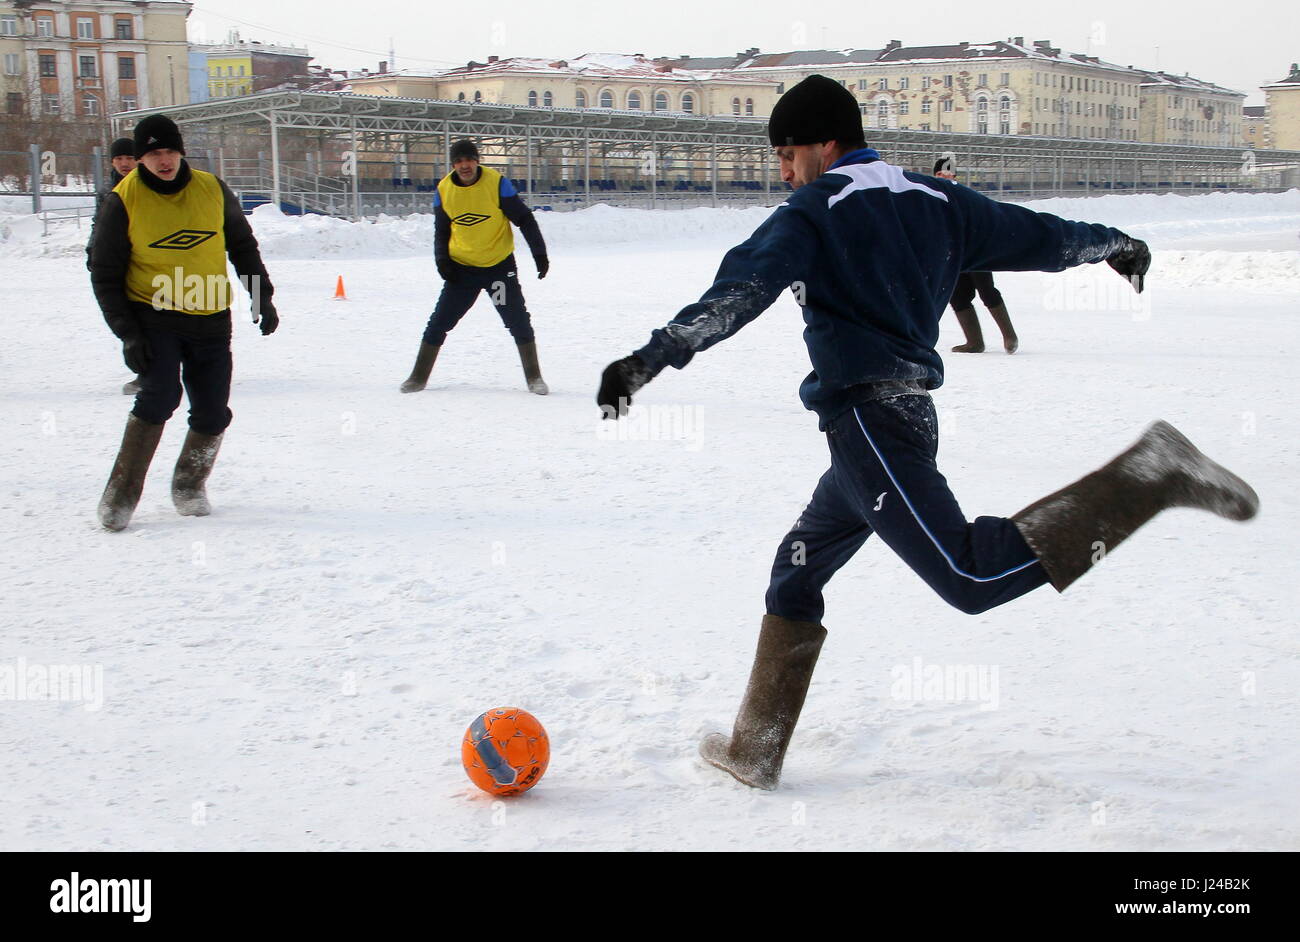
943, 163
817, 109
122, 147
464, 148
157, 132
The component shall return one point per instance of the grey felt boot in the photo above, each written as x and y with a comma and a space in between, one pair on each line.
1076, 527
778, 682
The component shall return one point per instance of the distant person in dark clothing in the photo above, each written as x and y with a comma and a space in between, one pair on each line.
122, 160
474, 247
963, 295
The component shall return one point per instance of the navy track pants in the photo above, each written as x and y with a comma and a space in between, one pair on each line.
501, 282
883, 479
203, 364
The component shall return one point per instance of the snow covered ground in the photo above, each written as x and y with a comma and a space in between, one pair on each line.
296, 671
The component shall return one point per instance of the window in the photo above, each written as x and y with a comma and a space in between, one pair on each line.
87, 69
883, 85
85, 28
241, 71
1004, 125
607, 99
862, 85
125, 67
48, 68
984, 80
11, 63
14, 103
460, 97
947, 81
90, 106
925, 127
8, 26
903, 83
478, 96
1004, 103
661, 101
947, 104
51, 104
925, 106
128, 103
882, 114
1006, 78
903, 107
982, 105
925, 81
749, 107
532, 99
735, 106
688, 103
580, 98
548, 100
123, 29
633, 101
45, 27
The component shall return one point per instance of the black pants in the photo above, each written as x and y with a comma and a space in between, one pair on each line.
969, 282
883, 479
501, 282
203, 364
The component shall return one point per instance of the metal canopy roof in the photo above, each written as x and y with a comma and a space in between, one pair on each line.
342, 112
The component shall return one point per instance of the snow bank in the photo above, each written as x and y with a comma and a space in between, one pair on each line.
1198, 228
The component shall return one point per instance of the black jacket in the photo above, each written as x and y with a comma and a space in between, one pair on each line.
110, 254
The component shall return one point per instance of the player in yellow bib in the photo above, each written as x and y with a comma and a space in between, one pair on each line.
474, 247
158, 267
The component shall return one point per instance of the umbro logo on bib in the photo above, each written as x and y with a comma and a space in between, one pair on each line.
471, 219
183, 239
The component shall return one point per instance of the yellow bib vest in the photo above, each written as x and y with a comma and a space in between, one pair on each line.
480, 232
178, 245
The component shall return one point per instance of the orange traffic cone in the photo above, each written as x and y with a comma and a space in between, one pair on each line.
339, 293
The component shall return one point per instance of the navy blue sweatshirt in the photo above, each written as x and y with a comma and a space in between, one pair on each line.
872, 253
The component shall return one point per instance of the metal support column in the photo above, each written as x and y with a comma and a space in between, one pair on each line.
586, 163
713, 170
35, 171
275, 161
528, 148
654, 172
98, 169
767, 175
356, 175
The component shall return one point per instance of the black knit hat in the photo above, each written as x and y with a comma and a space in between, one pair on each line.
157, 132
464, 148
122, 147
943, 163
817, 109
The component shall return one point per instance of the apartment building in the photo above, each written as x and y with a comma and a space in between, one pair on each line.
1283, 104
1179, 109
607, 81
244, 68
83, 60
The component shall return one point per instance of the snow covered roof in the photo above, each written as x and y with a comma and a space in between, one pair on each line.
1290, 81
1185, 83
593, 65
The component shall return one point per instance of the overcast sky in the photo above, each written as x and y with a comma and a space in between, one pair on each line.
1203, 37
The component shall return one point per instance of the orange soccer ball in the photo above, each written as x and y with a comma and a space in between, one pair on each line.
505, 751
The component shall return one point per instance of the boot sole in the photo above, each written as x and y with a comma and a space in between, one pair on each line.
713, 750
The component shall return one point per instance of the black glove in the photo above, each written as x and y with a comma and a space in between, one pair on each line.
136, 353
1132, 260
543, 266
267, 317
449, 270
620, 379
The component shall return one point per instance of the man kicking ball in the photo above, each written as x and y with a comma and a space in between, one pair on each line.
872, 253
